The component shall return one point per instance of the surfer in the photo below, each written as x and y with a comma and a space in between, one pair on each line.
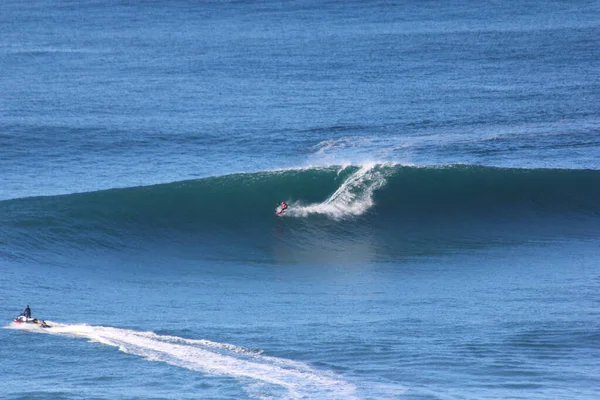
281, 207
27, 312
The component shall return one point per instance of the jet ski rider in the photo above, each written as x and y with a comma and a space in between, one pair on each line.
27, 312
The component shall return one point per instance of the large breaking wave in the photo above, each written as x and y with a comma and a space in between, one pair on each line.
397, 208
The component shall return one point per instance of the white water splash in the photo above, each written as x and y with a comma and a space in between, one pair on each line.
354, 197
263, 377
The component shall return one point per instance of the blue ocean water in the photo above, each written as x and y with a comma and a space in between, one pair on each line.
441, 161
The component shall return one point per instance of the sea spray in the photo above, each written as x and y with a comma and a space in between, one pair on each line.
354, 197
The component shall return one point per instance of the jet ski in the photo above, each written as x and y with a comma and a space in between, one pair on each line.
23, 320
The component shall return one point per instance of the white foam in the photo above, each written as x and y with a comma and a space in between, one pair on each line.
354, 197
263, 377
25, 327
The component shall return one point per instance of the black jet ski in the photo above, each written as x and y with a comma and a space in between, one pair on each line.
23, 320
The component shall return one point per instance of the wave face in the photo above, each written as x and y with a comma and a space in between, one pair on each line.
393, 207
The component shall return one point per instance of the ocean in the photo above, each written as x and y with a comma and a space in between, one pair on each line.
440, 159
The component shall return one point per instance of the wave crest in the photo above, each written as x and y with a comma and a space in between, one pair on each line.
376, 207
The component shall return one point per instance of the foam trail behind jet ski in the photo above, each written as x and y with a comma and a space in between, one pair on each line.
263, 377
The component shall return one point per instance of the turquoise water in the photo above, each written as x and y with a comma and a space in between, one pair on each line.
440, 161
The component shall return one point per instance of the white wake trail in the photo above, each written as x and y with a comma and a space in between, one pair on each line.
264, 377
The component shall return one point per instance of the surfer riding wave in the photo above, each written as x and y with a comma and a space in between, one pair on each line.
281, 207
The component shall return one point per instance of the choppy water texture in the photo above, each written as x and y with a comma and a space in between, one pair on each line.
441, 163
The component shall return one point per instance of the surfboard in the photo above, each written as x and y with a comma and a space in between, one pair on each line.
279, 211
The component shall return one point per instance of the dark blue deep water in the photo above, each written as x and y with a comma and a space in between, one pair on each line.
441, 160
